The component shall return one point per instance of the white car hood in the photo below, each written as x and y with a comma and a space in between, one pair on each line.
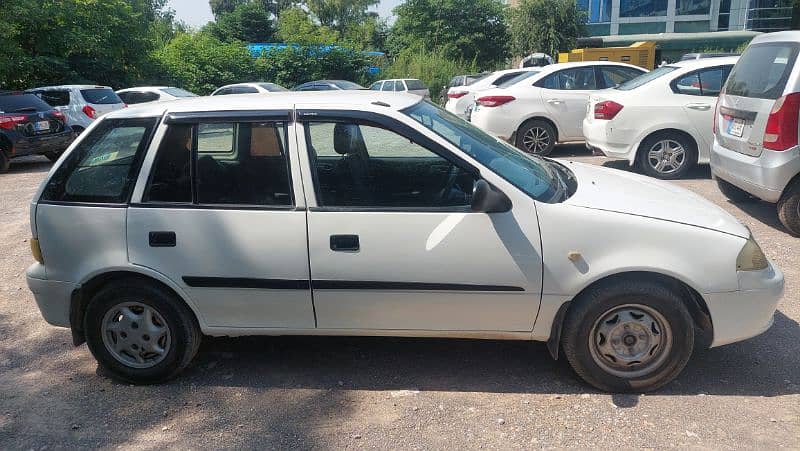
623, 192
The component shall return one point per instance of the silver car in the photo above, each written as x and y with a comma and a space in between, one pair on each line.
81, 104
755, 150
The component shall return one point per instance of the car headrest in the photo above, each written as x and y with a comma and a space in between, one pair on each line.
345, 138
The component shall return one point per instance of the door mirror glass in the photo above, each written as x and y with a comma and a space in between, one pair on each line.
488, 199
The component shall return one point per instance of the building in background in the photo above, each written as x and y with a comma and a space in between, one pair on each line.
622, 17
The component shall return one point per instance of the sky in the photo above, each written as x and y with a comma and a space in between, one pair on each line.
197, 12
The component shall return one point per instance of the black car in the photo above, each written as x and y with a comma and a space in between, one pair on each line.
328, 85
29, 126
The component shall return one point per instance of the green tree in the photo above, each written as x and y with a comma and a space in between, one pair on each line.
462, 29
248, 22
219, 7
340, 14
548, 26
201, 63
297, 64
296, 27
369, 34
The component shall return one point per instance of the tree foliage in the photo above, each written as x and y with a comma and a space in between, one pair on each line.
298, 64
247, 22
340, 14
297, 27
463, 29
548, 26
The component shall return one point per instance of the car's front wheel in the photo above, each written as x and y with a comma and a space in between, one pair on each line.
789, 208
629, 336
536, 137
140, 333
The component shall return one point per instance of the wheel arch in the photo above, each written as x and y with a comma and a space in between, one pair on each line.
88, 288
635, 155
698, 309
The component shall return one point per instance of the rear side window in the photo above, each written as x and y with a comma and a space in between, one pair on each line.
104, 166
21, 103
54, 98
706, 82
100, 96
222, 164
763, 70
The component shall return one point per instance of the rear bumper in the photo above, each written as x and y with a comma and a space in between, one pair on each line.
488, 120
52, 297
764, 176
607, 139
749, 311
42, 144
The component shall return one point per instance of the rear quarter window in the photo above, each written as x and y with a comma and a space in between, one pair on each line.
763, 70
100, 96
104, 165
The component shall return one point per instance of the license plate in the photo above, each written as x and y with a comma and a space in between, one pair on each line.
41, 126
736, 127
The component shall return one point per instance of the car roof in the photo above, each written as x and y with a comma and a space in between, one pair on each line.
55, 87
705, 62
778, 36
558, 66
249, 83
140, 88
277, 100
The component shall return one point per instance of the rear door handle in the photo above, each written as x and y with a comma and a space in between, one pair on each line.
699, 106
162, 239
345, 243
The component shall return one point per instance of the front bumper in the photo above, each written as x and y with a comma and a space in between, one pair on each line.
749, 311
764, 176
53, 297
605, 138
42, 144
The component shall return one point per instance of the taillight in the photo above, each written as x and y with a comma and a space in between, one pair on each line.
781, 131
58, 115
606, 109
456, 95
89, 111
716, 113
9, 121
492, 101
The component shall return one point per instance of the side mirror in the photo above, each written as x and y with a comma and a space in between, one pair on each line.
488, 199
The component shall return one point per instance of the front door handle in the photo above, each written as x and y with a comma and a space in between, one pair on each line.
699, 106
345, 243
554, 101
162, 239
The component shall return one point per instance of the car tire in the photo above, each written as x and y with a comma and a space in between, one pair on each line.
667, 155
5, 161
732, 192
536, 137
612, 327
53, 156
127, 323
789, 208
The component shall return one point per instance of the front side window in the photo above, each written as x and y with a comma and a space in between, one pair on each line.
376, 86
242, 163
364, 165
388, 86
575, 79
103, 168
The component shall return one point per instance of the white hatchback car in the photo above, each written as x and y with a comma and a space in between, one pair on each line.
460, 99
364, 213
410, 85
662, 120
146, 94
548, 107
81, 104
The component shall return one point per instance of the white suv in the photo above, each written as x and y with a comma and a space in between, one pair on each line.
756, 131
549, 106
81, 104
363, 213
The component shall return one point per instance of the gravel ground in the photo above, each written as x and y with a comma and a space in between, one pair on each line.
301, 392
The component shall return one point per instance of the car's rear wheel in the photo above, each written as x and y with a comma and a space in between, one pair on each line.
789, 208
631, 336
732, 192
5, 161
536, 137
140, 333
667, 155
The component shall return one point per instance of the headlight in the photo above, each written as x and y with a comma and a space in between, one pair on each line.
751, 258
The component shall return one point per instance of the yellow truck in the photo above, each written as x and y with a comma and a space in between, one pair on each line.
642, 54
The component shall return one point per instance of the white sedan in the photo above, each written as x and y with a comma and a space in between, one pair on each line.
248, 88
536, 113
461, 98
661, 121
147, 94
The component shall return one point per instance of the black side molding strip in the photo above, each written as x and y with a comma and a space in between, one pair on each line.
244, 282
400, 286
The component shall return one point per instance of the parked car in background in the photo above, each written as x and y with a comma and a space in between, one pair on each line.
548, 107
461, 98
459, 80
756, 121
410, 85
146, 94
81, 104
661, 121
328, 85
697, 56
29, 126
389, 218
248, 88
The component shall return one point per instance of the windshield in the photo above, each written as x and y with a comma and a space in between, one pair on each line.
646, 77
541, 179
517, 79
178, 92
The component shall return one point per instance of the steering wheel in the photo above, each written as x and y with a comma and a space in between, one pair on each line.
451, 182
